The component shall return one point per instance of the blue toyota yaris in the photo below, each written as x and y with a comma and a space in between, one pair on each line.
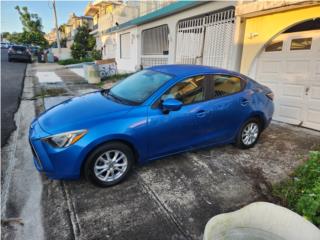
153, 113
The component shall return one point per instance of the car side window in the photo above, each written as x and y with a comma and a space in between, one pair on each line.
188, 91
225, 85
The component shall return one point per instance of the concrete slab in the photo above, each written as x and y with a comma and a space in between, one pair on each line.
48, 77
52, 101
78, 71
22, 189
173, 198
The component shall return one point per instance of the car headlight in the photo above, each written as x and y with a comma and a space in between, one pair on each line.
65, 139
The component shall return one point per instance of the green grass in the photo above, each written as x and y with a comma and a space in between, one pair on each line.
74, 61
301, 192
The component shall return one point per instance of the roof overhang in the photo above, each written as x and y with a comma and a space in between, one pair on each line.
91, 10
255, 9
168, 10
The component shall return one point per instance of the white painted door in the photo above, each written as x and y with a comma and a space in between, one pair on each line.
290, 66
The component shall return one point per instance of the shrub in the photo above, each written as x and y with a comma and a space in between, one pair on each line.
74, 61
116, 77
77, 51
83, 43
95, 54
301, 193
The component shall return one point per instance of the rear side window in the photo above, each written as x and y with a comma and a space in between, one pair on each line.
188, 91
18, 48
224, 85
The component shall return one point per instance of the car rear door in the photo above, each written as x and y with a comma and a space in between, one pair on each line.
227, 106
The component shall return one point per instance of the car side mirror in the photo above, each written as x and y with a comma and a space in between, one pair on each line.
171, 104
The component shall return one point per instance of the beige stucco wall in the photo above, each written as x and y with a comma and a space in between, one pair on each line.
261, 29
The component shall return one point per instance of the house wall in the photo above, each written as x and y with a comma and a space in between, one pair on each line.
256, 37
64, 53
130, 64
172, 22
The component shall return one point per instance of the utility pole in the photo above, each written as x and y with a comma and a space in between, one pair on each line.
56, 24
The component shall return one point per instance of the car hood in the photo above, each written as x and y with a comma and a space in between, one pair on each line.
80, 113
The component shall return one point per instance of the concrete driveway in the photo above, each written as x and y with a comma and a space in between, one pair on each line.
173, 198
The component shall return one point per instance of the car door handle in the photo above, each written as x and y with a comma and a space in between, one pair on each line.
244, 101
201, 113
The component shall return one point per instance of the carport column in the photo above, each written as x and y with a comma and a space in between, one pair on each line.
139, 44
172, 42
238, 36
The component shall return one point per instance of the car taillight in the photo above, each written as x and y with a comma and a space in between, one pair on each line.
270, 95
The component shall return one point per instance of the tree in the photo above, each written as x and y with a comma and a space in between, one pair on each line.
30, 21
32, 28
5, 35
14, 37
83, 43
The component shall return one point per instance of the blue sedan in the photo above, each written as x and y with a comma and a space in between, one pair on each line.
159, 111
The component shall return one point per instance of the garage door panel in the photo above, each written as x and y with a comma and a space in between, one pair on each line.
294, 91
298, 66
317, 63
289, 114
315, 81
268, 78
314, 93
312, 119
269, 66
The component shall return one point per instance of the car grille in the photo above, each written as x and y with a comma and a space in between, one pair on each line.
35, 155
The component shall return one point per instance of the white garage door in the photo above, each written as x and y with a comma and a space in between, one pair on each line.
290, 66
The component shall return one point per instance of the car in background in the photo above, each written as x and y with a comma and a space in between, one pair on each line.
4, 45
159, 111
18, 52
34, 50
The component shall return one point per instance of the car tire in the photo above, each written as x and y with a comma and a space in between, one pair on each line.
249, 134
103, 161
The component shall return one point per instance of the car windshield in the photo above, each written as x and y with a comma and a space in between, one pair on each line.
139, 86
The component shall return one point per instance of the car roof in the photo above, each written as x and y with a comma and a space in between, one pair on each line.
185, 70
15, 45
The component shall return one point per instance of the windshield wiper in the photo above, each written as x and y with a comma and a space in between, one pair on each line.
113, 97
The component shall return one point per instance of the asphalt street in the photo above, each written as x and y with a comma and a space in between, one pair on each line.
12, 75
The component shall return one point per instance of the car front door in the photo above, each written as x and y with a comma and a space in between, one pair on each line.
178, 130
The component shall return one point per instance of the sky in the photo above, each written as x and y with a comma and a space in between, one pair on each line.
10, 21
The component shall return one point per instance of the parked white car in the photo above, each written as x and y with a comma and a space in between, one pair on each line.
5, 45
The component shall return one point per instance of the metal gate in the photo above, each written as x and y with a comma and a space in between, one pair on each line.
206, 40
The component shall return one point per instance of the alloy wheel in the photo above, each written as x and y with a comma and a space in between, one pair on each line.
250, 133
110, 165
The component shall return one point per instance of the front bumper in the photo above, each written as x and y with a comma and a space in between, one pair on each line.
56, 163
